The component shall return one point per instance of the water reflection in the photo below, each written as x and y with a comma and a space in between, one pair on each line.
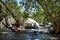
12, 36
25, 36
32, 37
37, 36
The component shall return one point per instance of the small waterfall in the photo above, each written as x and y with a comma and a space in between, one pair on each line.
33, 22
38, 27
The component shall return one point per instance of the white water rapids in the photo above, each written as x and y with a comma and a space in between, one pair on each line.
40, 29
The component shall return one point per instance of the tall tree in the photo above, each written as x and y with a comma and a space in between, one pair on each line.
52, 9
11, 8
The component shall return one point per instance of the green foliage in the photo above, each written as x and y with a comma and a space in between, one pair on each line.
38, 16
43, 10
29, 5
52, 10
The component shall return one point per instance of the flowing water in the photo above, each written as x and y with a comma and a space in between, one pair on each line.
24, 36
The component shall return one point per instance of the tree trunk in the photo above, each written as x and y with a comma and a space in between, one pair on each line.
17, 21
55, 20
